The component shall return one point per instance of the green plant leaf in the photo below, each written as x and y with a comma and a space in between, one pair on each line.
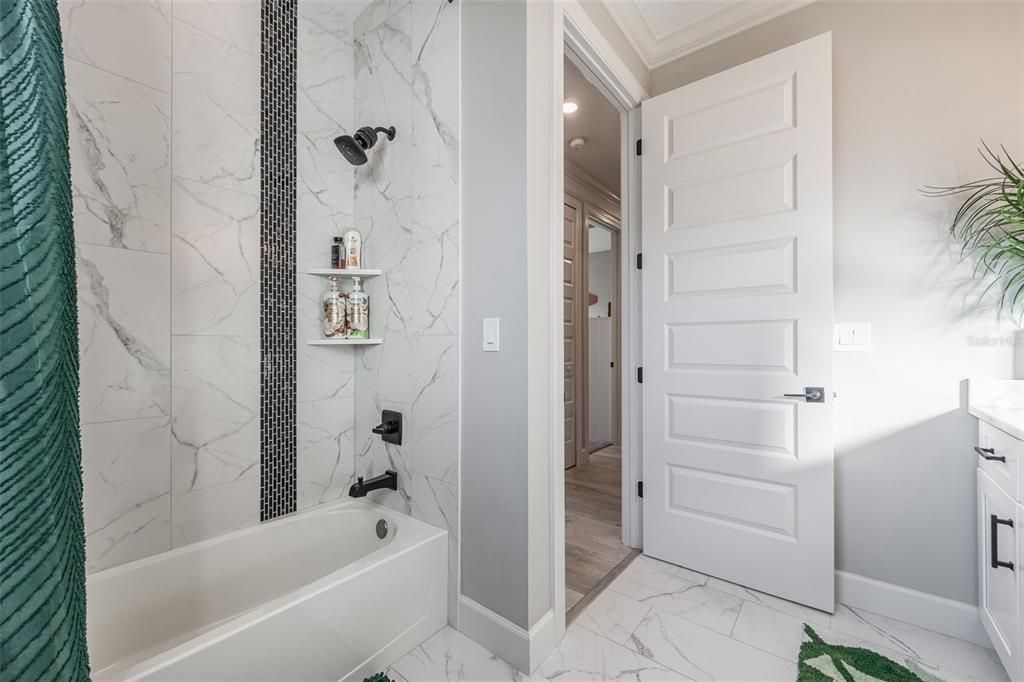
989, 224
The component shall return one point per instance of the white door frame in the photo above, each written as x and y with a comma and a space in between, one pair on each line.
576, 35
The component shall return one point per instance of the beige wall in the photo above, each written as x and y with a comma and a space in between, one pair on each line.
916, 86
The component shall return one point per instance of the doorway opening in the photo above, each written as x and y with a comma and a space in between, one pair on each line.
592, 220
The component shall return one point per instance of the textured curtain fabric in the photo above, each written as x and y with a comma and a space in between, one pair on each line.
42, 543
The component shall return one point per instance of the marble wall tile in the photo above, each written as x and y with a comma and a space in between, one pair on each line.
141, 48
127, 495
376, 13
434, 23
120, 146
325, 74
236, 22
215, 260
435, 119
324, 205
216, 105
215, 447
326, 450
124, 328
437, 503
406, 204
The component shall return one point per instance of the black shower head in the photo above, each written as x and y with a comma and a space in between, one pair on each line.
353, 147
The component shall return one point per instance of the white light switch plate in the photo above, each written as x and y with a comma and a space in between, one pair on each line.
852, 337
492, 334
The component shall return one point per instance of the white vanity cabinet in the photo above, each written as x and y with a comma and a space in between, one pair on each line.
999, 603
999, 407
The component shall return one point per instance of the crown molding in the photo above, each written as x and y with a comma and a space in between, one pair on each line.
733, 18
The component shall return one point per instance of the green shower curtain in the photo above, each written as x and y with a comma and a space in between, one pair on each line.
42, 544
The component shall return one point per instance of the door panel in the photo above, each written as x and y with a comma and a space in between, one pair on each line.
998, 586
737, 240
572, 231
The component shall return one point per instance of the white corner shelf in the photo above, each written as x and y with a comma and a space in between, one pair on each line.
344, 272
344, 342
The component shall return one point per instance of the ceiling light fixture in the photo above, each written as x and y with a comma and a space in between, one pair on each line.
570, 107
577, 143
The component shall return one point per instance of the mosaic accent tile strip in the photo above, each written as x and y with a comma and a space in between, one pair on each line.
279, 26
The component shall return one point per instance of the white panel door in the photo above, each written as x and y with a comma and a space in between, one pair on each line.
737, 280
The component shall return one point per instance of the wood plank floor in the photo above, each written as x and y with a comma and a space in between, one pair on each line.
593, 530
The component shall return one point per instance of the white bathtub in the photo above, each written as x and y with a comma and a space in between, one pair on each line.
315, 596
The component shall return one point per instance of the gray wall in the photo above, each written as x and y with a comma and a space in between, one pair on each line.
916, 86
494, 385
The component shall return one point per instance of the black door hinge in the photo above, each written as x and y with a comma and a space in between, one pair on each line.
640, 261
640, 147
639, 488
639, 375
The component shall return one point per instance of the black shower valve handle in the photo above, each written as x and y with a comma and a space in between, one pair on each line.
390, 426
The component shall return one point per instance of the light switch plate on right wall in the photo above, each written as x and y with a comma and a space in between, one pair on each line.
852, 337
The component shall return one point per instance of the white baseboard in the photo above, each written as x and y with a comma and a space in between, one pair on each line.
946, 616
523, 649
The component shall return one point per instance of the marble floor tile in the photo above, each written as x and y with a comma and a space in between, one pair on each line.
772, 631
585, 655
450, 655
647, 578
393, 674
613, 615
946, 673
806, 613
917, 643
700, 653
699, 603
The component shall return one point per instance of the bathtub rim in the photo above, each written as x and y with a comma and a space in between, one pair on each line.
168, 652
336, 505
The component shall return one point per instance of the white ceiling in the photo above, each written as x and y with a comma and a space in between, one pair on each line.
597, 121
663, 30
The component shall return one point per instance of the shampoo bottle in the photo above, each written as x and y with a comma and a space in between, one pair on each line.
358, 307
333, 315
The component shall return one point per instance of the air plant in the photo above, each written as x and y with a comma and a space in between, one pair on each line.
990, 226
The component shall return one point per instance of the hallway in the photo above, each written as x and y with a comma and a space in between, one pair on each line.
593, 529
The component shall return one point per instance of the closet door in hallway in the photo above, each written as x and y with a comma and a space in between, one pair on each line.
574, 319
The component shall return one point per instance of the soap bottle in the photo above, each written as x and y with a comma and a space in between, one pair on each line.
358, 308
333, 307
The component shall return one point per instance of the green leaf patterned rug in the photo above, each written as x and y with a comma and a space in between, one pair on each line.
823, 662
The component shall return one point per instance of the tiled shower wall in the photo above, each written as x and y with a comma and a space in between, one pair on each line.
325, 375
407, 205
165, 165
163, 108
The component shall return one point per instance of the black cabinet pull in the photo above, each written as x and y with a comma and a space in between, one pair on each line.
994, 524
989, 454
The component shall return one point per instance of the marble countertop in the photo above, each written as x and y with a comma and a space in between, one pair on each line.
1007, 419
998, 402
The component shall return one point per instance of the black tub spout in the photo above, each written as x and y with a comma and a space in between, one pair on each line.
389, 480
